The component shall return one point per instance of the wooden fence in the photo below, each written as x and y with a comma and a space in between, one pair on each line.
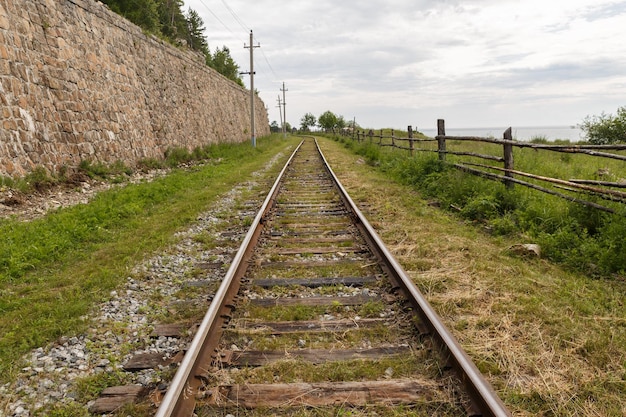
508, 174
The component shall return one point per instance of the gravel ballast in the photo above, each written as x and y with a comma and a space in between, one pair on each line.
121, 327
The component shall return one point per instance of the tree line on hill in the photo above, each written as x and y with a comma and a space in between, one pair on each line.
166, 19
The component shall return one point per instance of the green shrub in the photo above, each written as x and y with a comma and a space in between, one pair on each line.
481, 208
605, 129
93, 169
371, 153
39, 179
63, 410
176, 156
148, 164
577, 236
542, 140
504, 225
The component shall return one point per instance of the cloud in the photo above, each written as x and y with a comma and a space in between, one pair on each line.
390, 62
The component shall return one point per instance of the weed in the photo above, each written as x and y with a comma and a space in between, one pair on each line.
38, 180
54, 269
580, 237
63, 410
177, 156
93, 169
371, 309
552, 341
206, 239
150, 164
88, 388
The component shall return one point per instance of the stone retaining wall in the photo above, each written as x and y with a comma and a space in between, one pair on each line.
77, 82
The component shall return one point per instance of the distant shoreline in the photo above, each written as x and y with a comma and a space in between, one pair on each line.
524, 133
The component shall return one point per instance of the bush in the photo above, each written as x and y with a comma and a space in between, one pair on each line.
148, 164
504, 225
371, 153
93, 169
605, 129
177, 156
482, 208
579, 237
39, 179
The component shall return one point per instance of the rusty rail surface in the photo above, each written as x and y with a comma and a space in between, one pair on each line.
273, 223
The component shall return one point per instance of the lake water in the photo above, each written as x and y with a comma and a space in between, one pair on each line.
573, 134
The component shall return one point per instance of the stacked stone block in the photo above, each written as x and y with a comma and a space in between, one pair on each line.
78, 82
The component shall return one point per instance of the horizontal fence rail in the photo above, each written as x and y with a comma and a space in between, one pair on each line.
604, 190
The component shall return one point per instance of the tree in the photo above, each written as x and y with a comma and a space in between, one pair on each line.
173, 21
605, 129
143, 13
165, 18
274, 127
223, 63
195, 33
341, 123
327, 120
307, 121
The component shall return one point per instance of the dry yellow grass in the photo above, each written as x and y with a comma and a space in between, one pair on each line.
550, 342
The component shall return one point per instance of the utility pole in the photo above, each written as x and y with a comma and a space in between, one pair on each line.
280, 111
284, 111
252, 128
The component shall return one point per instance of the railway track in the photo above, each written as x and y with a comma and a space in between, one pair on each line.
315, 317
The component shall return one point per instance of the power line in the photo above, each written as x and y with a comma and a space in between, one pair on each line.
220, 20
237, 19
245, 27
268, 64
236, 36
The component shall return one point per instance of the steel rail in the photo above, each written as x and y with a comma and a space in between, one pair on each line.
483, 397
173, 403
179, 395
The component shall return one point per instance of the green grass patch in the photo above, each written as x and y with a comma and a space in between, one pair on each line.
347, 269
55, 269
580, 237
550, 339
371, 309
428, 407
290, 371
324, 340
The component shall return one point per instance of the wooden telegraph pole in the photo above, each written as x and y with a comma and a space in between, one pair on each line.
252, 128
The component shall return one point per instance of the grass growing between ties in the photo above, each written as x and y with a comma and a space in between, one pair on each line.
55, 269
357, 370
260, 340
552, 341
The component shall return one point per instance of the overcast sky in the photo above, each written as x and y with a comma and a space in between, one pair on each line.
393, 63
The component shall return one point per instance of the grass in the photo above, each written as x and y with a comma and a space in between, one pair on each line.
427, 408
579, 237
550, 340
259, 340
54, 270
336, 371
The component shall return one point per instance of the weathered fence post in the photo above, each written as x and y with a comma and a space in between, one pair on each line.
370, 134
508, 158
441, 141
410, 130
380, 139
